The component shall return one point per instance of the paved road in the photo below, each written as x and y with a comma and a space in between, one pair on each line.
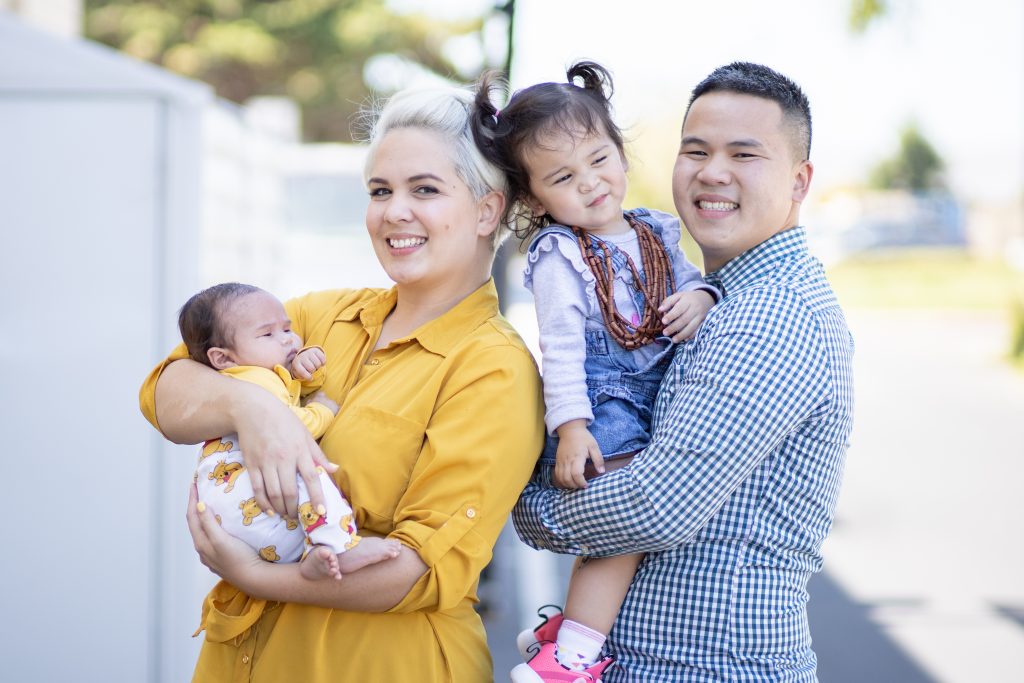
924, 579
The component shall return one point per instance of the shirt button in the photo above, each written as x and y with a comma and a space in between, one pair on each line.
375, 361
471, 513
245, 659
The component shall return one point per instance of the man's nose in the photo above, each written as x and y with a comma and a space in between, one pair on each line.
715, 171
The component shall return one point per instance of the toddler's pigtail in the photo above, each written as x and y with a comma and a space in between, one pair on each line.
596, 79
485, 121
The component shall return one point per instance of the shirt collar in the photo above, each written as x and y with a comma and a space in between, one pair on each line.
439, 335
756, 263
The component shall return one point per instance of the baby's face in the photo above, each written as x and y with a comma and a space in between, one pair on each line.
259, 332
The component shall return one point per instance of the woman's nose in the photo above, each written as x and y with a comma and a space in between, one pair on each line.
396, 210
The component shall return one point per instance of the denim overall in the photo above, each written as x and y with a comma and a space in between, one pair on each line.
621, 387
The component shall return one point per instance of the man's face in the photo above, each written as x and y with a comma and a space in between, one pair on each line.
737, 179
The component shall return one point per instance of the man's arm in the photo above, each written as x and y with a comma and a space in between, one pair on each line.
756, 370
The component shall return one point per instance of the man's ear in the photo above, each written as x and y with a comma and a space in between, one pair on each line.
802, 181
492, 206
220, 358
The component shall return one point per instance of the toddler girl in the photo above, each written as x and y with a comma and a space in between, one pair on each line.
245, 333
612, 292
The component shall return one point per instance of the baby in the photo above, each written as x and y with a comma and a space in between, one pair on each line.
245, 333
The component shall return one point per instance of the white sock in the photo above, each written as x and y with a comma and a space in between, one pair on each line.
578, 646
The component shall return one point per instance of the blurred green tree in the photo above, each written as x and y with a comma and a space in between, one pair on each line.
314, 51
863, 12
916, 166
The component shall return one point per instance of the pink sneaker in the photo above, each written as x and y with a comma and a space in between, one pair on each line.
529, 640
545, 668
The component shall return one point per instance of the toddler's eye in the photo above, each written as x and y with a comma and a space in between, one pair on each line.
563, 178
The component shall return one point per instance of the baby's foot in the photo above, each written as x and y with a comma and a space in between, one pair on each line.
369, 550
320, 563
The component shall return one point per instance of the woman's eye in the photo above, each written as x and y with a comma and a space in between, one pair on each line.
425, 189
379, 192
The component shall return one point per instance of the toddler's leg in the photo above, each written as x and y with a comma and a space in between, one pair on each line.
596, 591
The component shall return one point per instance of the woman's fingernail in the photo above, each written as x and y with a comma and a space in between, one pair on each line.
270, 512
201, 506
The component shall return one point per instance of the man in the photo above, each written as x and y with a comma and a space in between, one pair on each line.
735, 494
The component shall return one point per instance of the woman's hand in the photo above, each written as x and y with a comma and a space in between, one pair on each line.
277, 445
223, 554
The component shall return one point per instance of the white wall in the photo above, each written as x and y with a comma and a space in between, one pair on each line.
99, 190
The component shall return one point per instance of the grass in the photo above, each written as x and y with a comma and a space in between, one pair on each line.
928, 278
935, 279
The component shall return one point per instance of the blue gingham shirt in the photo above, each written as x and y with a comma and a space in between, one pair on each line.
736, 492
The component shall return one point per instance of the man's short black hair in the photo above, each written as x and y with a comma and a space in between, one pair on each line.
758, 80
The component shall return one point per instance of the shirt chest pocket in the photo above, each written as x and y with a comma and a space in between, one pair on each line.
377, 451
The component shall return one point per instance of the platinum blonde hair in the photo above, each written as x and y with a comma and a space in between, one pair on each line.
447, 112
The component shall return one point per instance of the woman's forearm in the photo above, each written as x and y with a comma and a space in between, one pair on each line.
195, 403
376, 588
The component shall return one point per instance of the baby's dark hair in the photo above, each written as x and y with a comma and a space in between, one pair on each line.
747, 78
533, 113
200, 319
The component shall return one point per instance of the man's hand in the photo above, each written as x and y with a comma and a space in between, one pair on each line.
576, 445
683, 312
308, 361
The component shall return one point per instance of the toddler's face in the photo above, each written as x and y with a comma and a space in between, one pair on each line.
580, 180
259, 332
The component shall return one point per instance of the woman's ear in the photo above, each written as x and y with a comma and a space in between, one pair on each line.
220, 358
492, 206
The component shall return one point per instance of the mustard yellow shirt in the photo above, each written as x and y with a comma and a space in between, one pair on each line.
436, 436
279, 382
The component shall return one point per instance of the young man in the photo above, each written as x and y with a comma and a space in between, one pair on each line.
736, 493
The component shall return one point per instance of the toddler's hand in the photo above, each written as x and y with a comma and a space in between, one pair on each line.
308, 361
576, 445
683, 312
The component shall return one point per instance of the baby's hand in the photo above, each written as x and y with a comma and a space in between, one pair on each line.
576, 445
321, 397
308, 361
683, 312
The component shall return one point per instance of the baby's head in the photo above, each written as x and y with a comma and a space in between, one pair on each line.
560, 148
234, 324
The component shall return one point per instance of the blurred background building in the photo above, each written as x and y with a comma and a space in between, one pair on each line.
221, 143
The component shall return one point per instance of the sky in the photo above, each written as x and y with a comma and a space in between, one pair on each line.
955, 68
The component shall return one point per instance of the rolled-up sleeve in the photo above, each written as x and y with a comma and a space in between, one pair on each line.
478, 451
147, 393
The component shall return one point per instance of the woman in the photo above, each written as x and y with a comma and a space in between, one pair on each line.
440, 424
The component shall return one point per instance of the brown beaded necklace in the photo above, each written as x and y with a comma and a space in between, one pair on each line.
659, 284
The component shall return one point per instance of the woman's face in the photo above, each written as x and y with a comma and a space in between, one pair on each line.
427, 229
